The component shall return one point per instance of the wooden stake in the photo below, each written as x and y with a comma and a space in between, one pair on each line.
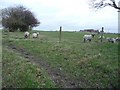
102, 34
60, 33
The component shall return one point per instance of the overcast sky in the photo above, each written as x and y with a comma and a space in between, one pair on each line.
70, 14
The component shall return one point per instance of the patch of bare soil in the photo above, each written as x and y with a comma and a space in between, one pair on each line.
61, 79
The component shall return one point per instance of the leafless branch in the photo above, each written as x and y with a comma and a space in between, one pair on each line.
97, 5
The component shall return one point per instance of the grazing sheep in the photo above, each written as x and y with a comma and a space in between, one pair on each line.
117, 39
26, 34
113, 40
35, 35
87, 37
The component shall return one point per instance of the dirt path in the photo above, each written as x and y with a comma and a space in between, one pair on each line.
60, 79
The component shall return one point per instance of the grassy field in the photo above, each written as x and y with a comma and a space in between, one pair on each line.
93, 64
0, 59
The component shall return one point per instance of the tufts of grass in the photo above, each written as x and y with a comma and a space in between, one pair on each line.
17, 72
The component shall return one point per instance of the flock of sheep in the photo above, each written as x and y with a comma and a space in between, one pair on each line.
34, 35
85, 37
109, 39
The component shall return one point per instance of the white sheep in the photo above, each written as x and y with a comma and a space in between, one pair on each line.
117, 39
26, 34
87, 37
113, 40
35, 35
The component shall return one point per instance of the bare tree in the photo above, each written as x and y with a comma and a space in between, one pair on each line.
97, 4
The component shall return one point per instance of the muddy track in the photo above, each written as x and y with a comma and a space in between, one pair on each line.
60, 79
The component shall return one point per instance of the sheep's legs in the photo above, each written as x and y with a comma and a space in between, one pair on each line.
84, 40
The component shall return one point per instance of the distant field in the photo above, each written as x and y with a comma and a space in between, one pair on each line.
77, 64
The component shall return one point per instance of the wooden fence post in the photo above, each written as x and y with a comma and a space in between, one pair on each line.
102, 34
60, 33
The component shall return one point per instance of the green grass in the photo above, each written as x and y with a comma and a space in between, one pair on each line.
95, 64
0, 59
19, 73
